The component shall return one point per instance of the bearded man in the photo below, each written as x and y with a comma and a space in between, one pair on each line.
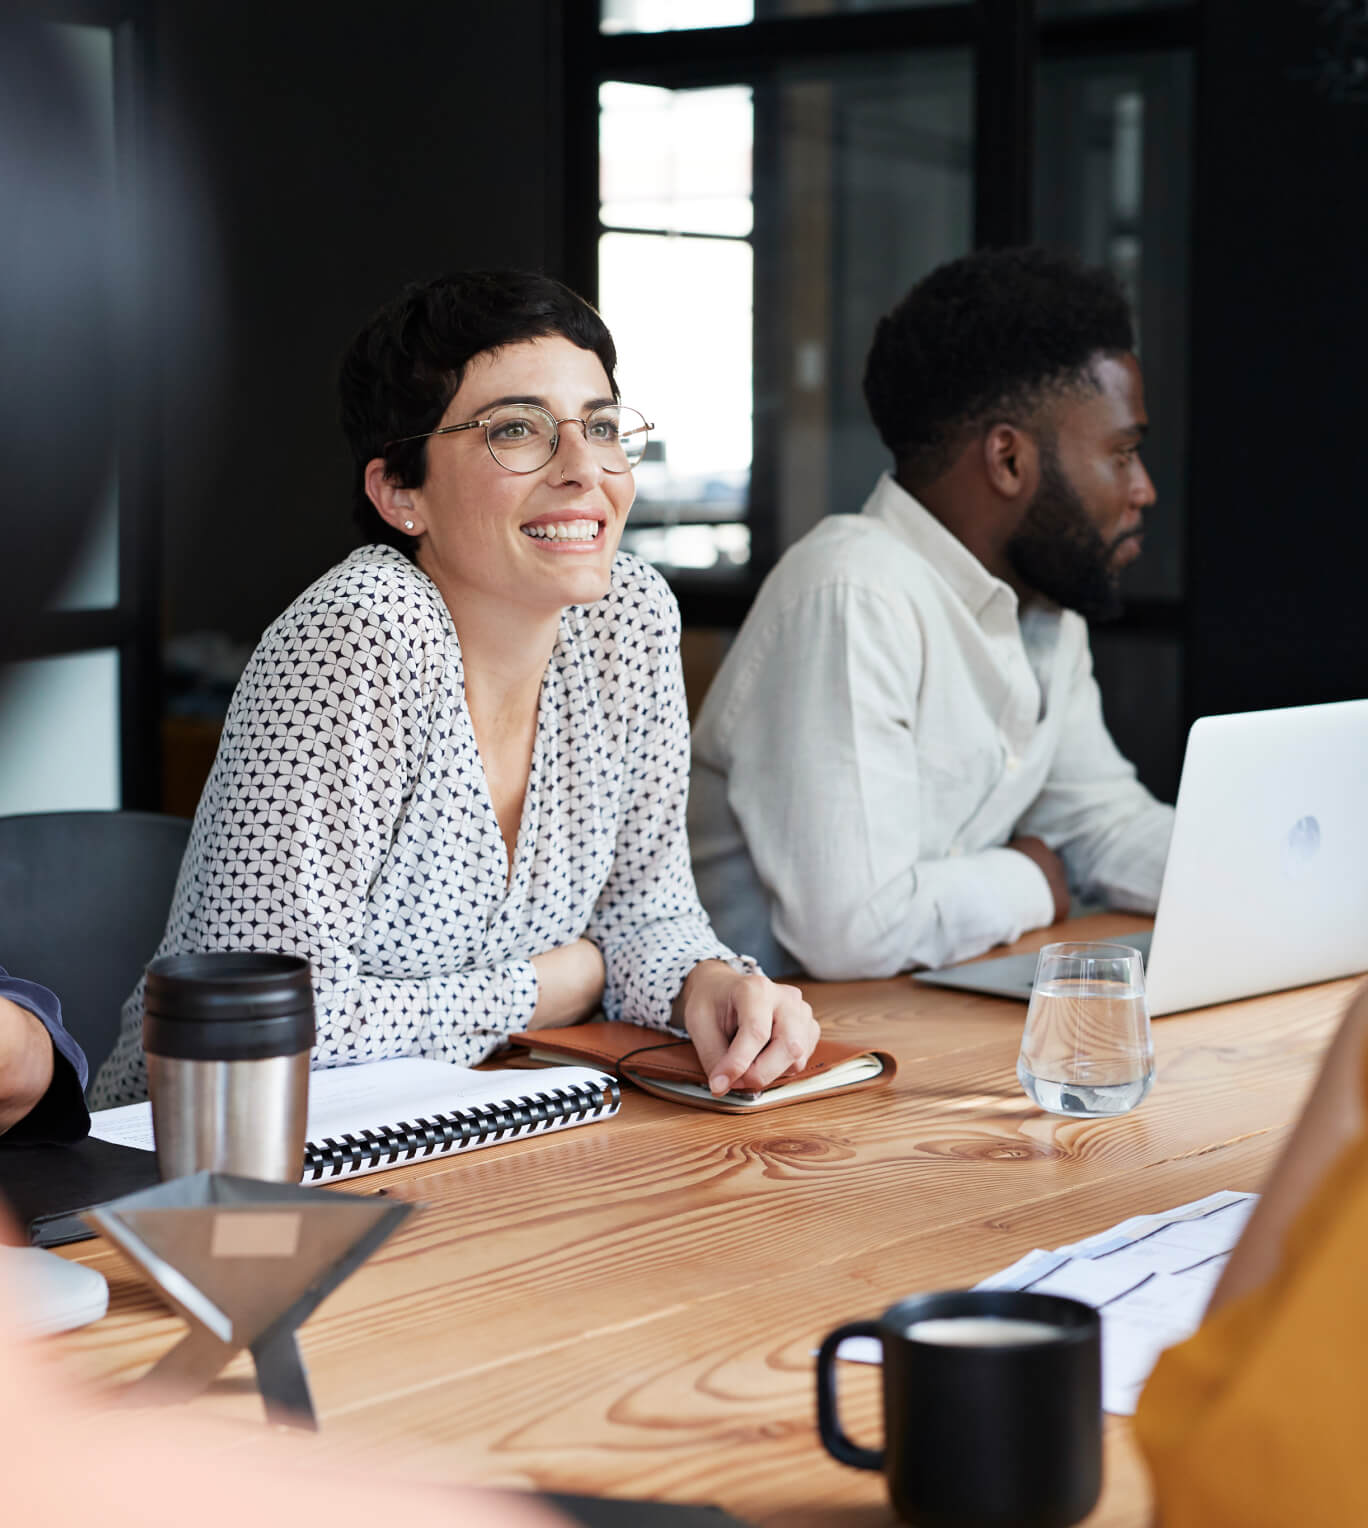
903, 760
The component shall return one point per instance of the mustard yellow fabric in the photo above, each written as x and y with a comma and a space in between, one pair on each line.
1261, 1418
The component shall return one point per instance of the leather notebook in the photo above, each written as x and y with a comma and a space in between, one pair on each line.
664, 1064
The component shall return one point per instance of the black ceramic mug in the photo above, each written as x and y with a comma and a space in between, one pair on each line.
992, 1403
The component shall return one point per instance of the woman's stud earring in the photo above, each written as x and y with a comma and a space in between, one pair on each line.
408, 525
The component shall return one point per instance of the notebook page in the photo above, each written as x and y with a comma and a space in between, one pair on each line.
347, 1099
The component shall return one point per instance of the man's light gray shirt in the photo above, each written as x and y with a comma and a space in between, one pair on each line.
886, 720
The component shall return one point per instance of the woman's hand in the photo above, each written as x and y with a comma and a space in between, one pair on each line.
748, 1031
569, 984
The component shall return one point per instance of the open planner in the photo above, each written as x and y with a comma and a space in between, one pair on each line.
384, 1113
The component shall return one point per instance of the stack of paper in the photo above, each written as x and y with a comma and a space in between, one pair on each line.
1150, 1277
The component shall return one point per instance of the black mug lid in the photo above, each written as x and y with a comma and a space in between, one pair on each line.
228, 1005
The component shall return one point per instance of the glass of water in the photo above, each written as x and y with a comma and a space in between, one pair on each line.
1087, 1049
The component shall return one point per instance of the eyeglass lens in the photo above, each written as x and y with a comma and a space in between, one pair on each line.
523, 437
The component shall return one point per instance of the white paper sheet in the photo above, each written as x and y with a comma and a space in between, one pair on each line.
1151, 1277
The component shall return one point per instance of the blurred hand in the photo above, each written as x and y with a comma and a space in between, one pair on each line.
569, 984
1038, 850
748, 1031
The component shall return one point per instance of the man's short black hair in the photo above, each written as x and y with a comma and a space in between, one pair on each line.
985, 338
404, 367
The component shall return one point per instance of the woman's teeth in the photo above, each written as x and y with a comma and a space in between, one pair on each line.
570, 530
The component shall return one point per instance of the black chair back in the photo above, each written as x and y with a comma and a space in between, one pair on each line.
83, 903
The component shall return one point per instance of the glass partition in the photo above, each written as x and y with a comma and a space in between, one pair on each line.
1114, 146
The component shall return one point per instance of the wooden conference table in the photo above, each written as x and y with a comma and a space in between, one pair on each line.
630, 1309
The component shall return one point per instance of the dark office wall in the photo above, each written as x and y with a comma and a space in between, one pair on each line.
318, 158
1278, 510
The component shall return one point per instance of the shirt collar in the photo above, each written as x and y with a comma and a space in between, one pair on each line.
947, 554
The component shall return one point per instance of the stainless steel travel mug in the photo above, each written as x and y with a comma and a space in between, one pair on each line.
228, 1037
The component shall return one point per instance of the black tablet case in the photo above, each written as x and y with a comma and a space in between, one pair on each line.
47, 1187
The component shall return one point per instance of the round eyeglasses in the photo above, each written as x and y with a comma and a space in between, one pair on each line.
523, 437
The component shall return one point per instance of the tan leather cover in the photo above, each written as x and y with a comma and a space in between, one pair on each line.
646, 1057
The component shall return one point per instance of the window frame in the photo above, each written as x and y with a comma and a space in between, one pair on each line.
132, 626
1006, 41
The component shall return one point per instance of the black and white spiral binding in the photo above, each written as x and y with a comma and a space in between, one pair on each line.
443, 1134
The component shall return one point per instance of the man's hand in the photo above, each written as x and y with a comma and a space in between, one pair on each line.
569, 984
26, 1062
1038, 850
748, 1031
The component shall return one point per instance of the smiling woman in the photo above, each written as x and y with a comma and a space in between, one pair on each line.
454, 773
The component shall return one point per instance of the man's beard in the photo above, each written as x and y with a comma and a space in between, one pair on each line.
1060, 553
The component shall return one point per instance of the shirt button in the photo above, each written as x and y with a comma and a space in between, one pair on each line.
1013, 763
955, 851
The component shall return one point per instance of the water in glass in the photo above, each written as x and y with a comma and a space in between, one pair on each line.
1086, 1049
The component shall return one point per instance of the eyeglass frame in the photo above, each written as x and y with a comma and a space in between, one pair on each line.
581, 420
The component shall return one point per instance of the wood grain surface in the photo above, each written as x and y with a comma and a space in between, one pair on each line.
631, 1309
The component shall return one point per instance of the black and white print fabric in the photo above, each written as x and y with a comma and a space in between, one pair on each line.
347, 819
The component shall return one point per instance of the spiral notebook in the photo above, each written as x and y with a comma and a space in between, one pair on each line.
381, 1114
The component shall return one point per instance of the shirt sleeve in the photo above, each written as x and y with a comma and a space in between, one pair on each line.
824, 779
320, 754
647, 920
1112, 835
60, 1116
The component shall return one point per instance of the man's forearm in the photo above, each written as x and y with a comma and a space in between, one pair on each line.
937, 912
26, 1062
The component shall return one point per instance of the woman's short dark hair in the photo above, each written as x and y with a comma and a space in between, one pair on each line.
992, 333
404, 367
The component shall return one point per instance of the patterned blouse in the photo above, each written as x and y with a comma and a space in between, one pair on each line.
347, 819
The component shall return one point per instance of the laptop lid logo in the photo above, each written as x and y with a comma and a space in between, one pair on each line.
1303, 844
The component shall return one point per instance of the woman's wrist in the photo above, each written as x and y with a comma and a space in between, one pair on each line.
700, 976
569, 984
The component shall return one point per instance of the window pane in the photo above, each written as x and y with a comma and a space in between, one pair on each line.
1114, 144
93, 580
673, 15
680, 313
863, 184
62, 212
675, 160
687, 15
59, 718
874, 188
719, 549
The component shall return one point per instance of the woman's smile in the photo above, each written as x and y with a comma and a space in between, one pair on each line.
568, 531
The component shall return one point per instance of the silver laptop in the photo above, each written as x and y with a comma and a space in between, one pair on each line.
1266, 885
